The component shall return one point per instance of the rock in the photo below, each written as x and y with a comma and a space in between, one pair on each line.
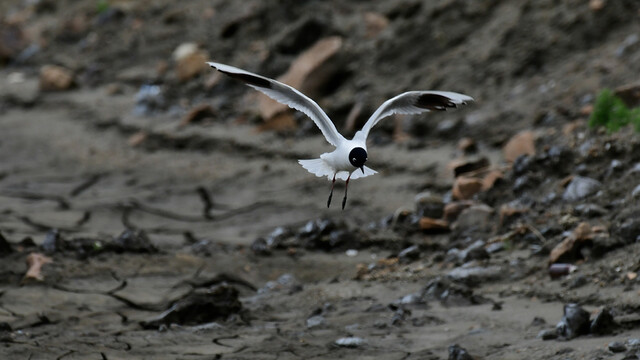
570, 248
449, 293
465, 187
260, 247
52, 242
581, 187
510, 211
374, 23
149, 100
629, 229
636, 192
474, 217
5, 246
475, 251
350, 342
199, 307
463, 166
548, 334
307, 73
575, 322
315, 321
590, 210
603, 323
458, 353
55, 78
35, 262
198, 114
559, 270
522, 143
429, 205
453, 209
137, 138
190, 61
133, 241
616, 347
495, 247
491, 178
473, 276
409, 254
429, 225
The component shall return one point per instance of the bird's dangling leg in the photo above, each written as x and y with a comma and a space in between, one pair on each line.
331, 193
346, 187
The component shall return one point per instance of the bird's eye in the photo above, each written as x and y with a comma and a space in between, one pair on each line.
354, 159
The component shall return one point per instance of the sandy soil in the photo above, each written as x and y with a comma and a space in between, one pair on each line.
85, 164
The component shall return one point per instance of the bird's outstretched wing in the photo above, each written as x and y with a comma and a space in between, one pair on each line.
287, 95
414, 102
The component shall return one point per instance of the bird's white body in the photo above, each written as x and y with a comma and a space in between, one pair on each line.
343, 162
336, 163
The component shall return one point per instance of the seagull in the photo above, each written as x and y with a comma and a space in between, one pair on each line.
350, 155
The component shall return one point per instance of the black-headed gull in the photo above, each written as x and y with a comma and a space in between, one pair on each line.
349, 155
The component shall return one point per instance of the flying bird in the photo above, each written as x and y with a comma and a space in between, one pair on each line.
347, 160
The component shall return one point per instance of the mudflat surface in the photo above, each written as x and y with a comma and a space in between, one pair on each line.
204, 239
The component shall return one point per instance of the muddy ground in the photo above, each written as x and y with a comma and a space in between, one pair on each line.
176, 236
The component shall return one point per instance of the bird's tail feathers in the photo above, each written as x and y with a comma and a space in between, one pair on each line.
319, 168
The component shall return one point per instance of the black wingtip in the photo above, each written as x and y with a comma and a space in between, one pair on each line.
434, 102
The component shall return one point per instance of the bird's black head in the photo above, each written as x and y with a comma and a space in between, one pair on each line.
357, 157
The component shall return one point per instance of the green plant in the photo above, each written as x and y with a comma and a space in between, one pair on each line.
612, 113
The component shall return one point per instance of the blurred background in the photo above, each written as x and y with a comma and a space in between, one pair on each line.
121, 150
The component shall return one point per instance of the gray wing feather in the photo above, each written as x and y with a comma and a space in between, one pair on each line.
287, 95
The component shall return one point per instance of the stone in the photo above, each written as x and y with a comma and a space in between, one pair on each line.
636, 192
56, 78
409, 254
575, 322
465, 187
581, 187
430, 225
617, 347
467, 145
35, 262
52, 242
308, 72
548, 334
429, 205
456, 352
199, 307
475, 217
476, 274
463, 166
198, 114
315, 321
522, 143
453, 209
590, 210
629, 93
603, 323
350, 342
134, 241
491, 178
190, 61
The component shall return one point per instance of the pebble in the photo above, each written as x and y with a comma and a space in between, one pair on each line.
522, 143
616, 347
603, 323
476, 217
55, 78
199, 307
548, 334
52, 242
429, 205
456, 352
149, 100
135, 241
315, 321
575, 322
350, 342
431, 225
636, 192
581, 187
476, 274
590, 210
409, 254
465, 187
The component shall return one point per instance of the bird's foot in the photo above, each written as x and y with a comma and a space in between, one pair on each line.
344, 202
329, 200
